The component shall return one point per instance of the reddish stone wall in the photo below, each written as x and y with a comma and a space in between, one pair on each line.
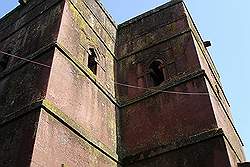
82, 29
31, 27
81, 100
17, 139
150, 119
206, 154
23, 86
163, 118
144, 31
177, 54
28, 32
221, 107
57, 145
164, 34
89, 120
69, 87
88, 100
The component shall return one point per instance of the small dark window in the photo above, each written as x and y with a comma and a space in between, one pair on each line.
4, 59
156, 73
92, 60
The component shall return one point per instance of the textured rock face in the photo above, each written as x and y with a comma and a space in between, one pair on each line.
74, 110
66, 108
155, 124
28, 32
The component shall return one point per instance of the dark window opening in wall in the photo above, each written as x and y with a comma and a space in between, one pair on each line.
156, 73
4, 59
92, 60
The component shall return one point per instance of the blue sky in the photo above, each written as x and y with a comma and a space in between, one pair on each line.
226, 24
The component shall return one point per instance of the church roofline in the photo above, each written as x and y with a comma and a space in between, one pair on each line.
150, 12
97, 1
106, 13
5, 16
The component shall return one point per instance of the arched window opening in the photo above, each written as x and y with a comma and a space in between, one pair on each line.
92, 60
156, 73
4, 60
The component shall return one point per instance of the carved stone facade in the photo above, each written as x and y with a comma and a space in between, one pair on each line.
87, 92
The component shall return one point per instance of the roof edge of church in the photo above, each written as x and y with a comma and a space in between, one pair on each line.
106, 13
150, 12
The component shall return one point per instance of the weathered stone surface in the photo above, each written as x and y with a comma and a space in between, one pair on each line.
79, 33
150, 120
28, 32
178, 56
78, 97
150, 30
57, 145
196, 155
27, 84
17, 140
163, 118
221, 107
94, 119
89, 99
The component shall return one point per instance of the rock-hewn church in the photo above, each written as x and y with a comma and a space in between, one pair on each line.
77, 90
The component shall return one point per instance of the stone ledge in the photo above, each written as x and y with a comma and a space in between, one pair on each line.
153, 11
31, 57
244, 164
22, 111
68, 122
175, 145
52, 110
31, 12
170, 84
